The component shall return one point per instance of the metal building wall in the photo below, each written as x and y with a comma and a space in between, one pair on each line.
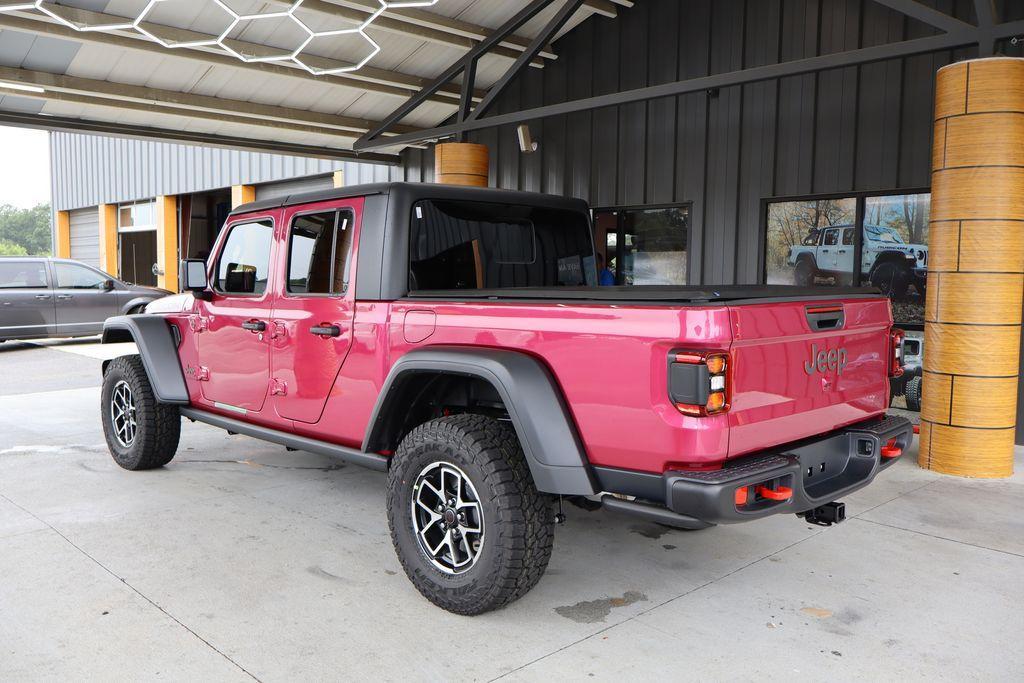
858, 128
90, 169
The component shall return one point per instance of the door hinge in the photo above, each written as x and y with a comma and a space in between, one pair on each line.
198, 323
278, 388
279, 331
199, 374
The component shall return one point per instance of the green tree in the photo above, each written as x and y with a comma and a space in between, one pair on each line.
26, 228
8, 249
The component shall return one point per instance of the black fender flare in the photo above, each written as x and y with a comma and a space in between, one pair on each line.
896, 257
158, 348
531, 396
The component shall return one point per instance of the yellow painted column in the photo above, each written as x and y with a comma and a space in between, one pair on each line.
167, 242
242, 194
339, 178
108, 238
62, 237
461, 163
975, 270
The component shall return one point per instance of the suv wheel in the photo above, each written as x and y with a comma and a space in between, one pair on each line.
914, 393
141, 433
469, 527
803, 275
892, 278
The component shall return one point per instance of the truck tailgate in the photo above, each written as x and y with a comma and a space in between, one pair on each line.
804, 368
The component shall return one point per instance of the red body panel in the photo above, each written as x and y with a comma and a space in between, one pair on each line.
611, 362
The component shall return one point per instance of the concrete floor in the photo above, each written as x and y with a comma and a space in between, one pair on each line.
241, 560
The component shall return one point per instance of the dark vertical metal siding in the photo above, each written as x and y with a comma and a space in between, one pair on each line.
857, 128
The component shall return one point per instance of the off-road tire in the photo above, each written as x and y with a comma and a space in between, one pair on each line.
892, 278
803, 274
913, 393
518, 520
158, 424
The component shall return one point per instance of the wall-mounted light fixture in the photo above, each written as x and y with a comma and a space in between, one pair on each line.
527, 145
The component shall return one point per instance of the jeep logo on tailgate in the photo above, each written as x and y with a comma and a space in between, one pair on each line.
823, 360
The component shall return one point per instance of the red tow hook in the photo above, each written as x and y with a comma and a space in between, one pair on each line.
891, 450
781, 493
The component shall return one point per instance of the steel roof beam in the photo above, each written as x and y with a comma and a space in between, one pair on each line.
75, 125
185, 104
929, 15
369, 79
837, 60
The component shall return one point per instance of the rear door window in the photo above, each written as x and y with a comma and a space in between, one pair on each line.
23, 275
74, 276
244, 263
319, 253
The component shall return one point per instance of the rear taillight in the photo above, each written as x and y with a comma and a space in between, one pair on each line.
896, 337
698, 382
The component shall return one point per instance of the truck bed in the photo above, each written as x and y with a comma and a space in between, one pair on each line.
693, 295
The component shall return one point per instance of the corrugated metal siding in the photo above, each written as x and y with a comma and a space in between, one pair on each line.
85, 236
858, 128
89, 170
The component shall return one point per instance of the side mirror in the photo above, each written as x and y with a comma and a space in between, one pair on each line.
108, 285
193, 277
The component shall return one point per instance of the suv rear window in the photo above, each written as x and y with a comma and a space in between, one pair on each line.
22, 275
477, 245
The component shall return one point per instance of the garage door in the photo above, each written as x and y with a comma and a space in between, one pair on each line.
296, 186
85, 236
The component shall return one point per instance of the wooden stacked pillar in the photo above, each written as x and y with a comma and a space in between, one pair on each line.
461, 163
975, 270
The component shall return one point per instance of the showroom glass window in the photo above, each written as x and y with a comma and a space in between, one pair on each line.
243, 266
645, 245
824, 241
319, 253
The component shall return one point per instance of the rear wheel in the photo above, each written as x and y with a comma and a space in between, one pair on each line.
804, 273
892, 278
913, 394
141, 432
469, 527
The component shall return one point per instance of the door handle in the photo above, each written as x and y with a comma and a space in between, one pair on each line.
62, 297
254, 325
326, 330
42, 297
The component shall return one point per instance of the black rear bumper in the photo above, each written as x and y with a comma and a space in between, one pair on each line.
808, 473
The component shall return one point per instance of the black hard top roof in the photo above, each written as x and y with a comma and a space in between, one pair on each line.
413, 192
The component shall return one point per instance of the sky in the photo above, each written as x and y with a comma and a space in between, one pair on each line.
24, 167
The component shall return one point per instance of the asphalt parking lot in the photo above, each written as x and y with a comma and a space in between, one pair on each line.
241, 560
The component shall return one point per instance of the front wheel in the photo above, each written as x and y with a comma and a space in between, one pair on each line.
803, 275
141, 432
469, 527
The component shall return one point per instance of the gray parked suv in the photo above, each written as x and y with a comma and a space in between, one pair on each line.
50, 297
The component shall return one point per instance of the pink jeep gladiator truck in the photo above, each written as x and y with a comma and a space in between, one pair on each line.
448, 336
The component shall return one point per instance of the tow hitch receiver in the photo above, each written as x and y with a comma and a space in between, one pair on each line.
826, 515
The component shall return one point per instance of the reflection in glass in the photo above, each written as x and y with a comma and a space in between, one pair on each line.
894, 253
811, 242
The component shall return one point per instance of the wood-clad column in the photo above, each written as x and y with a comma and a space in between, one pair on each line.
108, 238
242, 194
167, 242
975, 270
62, 235
461, 163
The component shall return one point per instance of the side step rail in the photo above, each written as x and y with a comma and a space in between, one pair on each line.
652, 513
373, 461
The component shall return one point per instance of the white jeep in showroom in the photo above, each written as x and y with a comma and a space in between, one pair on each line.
889, 263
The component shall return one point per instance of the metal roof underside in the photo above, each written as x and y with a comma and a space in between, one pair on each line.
121, 83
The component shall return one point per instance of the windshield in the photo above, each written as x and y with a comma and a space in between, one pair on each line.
882, 234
